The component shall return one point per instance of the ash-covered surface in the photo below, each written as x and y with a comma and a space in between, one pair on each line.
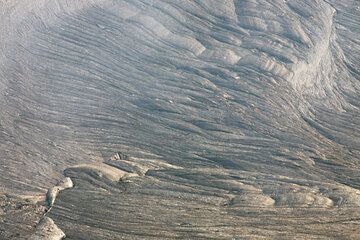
201, 119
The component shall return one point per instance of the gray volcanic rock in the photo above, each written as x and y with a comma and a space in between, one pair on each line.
204, 119
47, 230
54, 191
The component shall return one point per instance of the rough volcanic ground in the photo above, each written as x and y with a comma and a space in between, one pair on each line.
203, 119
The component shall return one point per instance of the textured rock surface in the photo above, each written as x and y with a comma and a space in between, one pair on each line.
54, 191
233, 119
47, 230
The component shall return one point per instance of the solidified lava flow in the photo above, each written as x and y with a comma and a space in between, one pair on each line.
161, 119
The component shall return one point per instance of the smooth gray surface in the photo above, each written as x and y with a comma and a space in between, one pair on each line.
240, 119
